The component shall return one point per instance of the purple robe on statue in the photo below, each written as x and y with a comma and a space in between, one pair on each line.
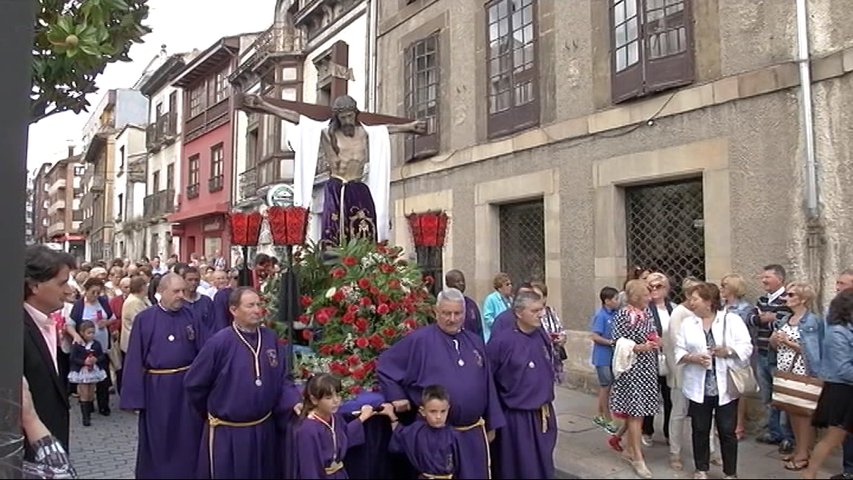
221, 314
202, 308
221, 385
429, 356
162, 346
432, 451
473, 321
318, 450
524, 377
347, 204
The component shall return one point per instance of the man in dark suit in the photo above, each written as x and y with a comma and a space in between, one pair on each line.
45, 289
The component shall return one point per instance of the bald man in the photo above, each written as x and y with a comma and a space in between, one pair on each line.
163, 344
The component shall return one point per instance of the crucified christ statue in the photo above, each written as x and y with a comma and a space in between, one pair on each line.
351, 208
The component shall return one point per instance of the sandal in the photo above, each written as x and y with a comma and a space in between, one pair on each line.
788, 457
796, 466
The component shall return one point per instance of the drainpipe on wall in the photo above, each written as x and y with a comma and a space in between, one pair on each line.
815, 240
372, 30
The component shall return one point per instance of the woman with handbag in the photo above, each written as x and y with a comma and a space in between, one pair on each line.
798, 351
834, 409
556, 331
709, 345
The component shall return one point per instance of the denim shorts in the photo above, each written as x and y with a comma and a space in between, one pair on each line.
605, 375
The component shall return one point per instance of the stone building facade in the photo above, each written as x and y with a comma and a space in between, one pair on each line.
570, 143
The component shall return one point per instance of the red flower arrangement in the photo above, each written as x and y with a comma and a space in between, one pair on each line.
358, 300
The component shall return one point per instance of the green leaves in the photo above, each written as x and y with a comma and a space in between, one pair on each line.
74, 41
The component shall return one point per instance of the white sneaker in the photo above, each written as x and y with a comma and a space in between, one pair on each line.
700, 475
647, 441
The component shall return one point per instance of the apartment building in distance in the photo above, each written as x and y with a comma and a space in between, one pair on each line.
40, 204
568, 144
129, 192
119, 107
64, 195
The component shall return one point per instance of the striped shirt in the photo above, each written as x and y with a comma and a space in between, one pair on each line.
774, 303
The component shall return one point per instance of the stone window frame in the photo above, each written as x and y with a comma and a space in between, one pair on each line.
634, 70
423, 146
516, 116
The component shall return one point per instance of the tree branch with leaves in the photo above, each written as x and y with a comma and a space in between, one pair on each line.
74, 42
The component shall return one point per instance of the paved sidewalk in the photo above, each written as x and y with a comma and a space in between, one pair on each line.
107, 449
582, 450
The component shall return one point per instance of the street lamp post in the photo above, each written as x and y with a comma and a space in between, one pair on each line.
16, 46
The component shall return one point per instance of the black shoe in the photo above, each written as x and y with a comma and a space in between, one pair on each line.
786, 446
105, 412
766, 438
86, 411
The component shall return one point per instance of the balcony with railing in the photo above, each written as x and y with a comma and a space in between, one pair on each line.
192, 191
55, 229
162, 132
209, 119
87, 224
158, 205
248, 183
57, 203
56, 185
215, 184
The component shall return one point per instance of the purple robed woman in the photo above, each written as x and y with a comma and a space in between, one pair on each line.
163, 344
522, 362
320, 447
444, 354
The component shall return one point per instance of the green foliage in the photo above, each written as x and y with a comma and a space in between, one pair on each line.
358, 299
74, 42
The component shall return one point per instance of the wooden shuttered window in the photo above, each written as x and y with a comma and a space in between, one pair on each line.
512, 65
651, 46
422, 80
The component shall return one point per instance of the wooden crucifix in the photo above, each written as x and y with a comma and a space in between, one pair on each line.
350, 140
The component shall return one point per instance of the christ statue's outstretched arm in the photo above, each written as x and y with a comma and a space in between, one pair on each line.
255, 103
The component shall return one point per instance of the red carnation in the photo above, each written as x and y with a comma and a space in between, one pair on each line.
393, 284
428, 280
338, 272
355, 389
382, 298
382, 309
350, 261
338, 296
304, 319
353, 359
325, 349
348, 318
361, 342
358, 374
352, 308
411, 323
361, 325
389, 331
363, 283
365, 302
307, 334
306, 301
376, 341
374, 291
337, 348
409, 308
322, 316
386, 268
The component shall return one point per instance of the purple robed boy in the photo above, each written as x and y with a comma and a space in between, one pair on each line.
221, 384
429, 356
473, 321
162, 344
358, 212
431, 451
202, 308
222, 316
317, 450
524, 378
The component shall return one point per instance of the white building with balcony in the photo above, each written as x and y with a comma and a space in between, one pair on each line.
129, 192
314, 52
164, 147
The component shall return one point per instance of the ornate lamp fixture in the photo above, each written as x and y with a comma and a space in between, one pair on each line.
245, 232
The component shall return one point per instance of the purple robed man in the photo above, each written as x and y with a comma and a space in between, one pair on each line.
200, 305
522, 362
222, 316
240, 382
163, 343
506, 319
473, 321
445, 354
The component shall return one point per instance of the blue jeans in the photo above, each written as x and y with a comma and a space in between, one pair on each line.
776, 428
848, 454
